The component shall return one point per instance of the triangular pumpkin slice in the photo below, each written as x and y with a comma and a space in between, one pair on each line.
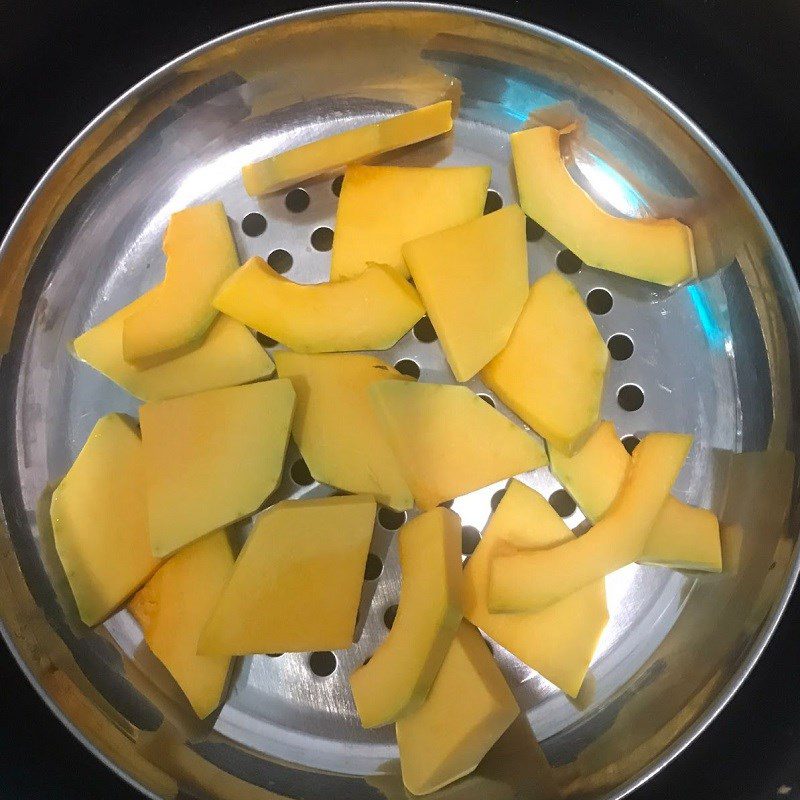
449, 441
201, 254
468, 709
174, 606
99, 517
400, 672
297, 582
212, 458
336, 427
227, 355
473, 280
558, 641
382, 208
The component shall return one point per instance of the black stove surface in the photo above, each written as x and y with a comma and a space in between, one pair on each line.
734, 67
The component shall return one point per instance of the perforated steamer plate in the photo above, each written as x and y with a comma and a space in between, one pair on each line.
715, 359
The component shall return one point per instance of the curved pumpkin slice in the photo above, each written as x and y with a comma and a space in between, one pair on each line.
525, 580
201, 254
656, 250
366, 141
172, 609
683, 537
558, 641
228, 355
400, 672
369, 312
99, 516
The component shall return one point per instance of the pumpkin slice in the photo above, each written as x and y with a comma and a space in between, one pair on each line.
201, 254
358, 144
369, 312
227, 355
382, 208
297, 582
468, 709
558, 641
99, 517
473, 280
212, 458
336, 427
683, 537
551, 371
656, 250
448, 441
400, 672
528, 580
174, 606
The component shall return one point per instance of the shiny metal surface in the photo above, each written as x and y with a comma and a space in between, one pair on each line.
717, 359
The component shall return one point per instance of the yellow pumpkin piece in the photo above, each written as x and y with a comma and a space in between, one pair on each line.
468, 709
732, 541
473, 280
551, 371
514, 767
656, 250
593, 474
227, 355
682, 537
99, 517
370, 312
212, 458
382, 208
336, 428
400, 672
201, 254
528, 580
450, 442
558, 641
174, 606
297, 583
333, 152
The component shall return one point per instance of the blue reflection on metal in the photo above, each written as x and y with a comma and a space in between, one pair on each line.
519, 98
711, 328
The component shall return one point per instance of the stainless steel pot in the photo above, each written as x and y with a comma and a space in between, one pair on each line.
718, 358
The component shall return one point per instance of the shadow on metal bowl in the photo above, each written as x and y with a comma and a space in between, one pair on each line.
717, 358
